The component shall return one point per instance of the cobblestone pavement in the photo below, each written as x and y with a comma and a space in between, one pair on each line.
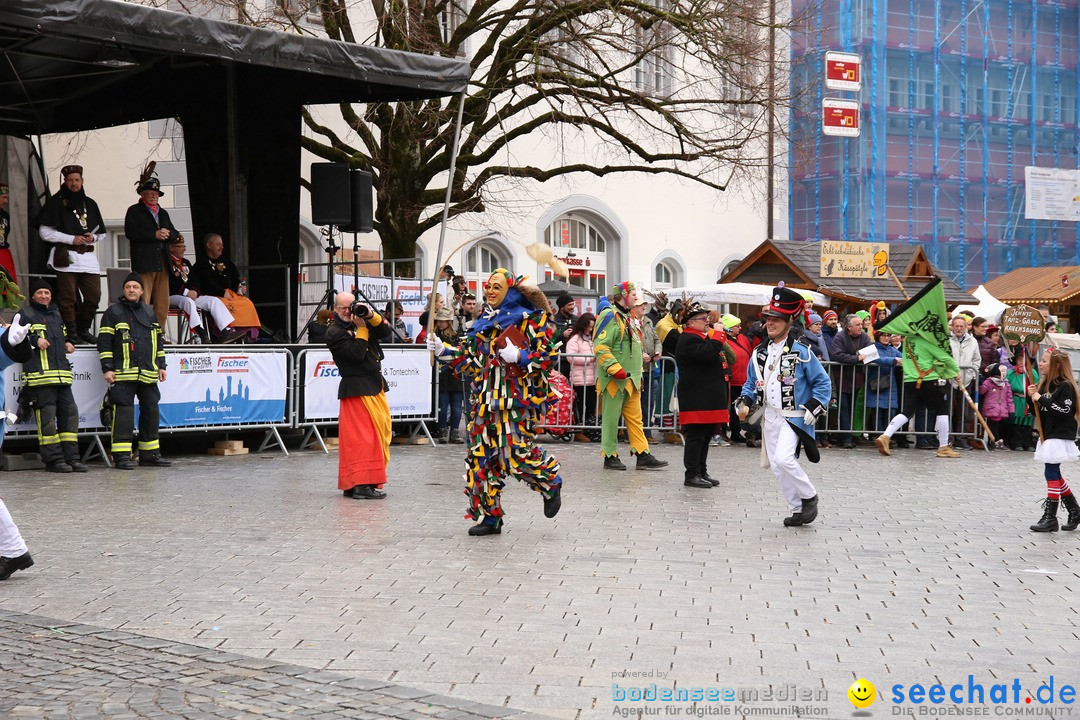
918, 570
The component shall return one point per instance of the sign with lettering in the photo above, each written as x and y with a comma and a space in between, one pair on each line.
409, 377
1023, 323
853, 259
840, 117
843, 71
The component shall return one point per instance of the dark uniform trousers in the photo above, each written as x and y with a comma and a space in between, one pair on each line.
57, 422
123, 396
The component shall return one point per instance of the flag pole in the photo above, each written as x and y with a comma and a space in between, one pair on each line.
445, 217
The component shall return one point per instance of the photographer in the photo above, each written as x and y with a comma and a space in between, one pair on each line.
364, 418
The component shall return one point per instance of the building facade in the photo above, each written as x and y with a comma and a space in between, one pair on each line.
957, 98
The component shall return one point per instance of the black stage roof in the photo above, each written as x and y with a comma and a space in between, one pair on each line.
74, 65
238, 91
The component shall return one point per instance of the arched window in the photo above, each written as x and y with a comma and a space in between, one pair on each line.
481, 260
662, 276
583, 247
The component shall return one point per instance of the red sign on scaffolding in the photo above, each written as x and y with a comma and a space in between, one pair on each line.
843, 71
840, 117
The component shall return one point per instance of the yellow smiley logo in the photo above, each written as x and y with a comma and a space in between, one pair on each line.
862, 693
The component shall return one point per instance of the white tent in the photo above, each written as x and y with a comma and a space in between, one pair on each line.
988, 307
738, 293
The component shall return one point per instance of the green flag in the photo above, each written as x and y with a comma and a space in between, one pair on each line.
922, 322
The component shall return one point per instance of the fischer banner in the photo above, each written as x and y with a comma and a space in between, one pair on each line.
206, 388
408, 374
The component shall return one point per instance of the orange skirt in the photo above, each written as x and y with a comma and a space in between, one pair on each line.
364, 434
242, 309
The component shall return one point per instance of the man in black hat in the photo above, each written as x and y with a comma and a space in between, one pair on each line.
149, 230
133, 363
47, 381
563, 321
72, 223
703, 392
786, 378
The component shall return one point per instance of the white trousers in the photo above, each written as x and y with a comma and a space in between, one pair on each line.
208, 303
780, 442
11, 542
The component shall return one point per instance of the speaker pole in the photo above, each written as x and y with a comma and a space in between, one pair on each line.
445, 215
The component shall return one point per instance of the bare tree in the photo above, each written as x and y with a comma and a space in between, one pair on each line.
663, 87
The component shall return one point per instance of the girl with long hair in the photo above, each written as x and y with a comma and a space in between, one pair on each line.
1057, 397
579, 348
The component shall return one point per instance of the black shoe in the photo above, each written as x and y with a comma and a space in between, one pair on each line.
58, 466
697, 482
154, 460
648, 461
71, 335
485, 529
77, 466
961, 444
553, 503
613, 463
10, 565
367, 492
809, 510
1048, 522
903, 443
122, 461
204, 337
1071, 504
752, 443
849, 445
710, 479
230, 336
86, 337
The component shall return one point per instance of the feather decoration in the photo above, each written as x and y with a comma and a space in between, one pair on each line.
542, 253
148, 172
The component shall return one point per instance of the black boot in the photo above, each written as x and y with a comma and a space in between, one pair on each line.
1048, 522
85, 336
485, 528
204, 337
153, 458
648, 461
1070, 503
553, 503
805, 515
122, 461
71, 334
613, 463
8, 565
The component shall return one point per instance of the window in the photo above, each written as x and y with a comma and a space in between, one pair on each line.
449, 20
598, 282
574, 234
662, 276
653, 72
299, 8
481, 260
121, 251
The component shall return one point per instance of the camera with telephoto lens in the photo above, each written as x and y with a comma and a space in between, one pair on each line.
360, 310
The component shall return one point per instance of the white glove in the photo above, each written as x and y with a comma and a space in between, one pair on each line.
809, 418
510, 353
17, 332
435, 345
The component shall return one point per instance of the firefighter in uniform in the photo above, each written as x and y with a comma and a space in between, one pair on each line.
47, 381
133, 362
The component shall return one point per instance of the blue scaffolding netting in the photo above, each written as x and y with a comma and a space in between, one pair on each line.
958, 97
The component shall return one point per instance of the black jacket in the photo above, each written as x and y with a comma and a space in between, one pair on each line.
147, 252
214, 277
49, 366
180, 277
1058, 411
129, 342
703, 373
359, 362
844, 350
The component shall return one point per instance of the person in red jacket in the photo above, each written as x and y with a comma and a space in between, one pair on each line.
740, 344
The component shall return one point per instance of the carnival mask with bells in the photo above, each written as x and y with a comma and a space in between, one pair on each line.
496, 287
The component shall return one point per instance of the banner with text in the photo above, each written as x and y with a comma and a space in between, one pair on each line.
841, 259
88, 388
224, 388
408, 374
378, 290
1051, 194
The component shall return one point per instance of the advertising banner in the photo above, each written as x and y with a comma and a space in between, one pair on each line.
88, 388
224, 388
840, 117
408, 374
1051, 194
843, 71
406, 291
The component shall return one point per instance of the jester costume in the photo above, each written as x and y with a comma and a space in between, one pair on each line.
505, 402
617, 345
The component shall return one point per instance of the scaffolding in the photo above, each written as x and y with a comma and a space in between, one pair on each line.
958, 96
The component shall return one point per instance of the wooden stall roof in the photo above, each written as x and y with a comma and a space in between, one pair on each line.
798, 264
1036, 285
